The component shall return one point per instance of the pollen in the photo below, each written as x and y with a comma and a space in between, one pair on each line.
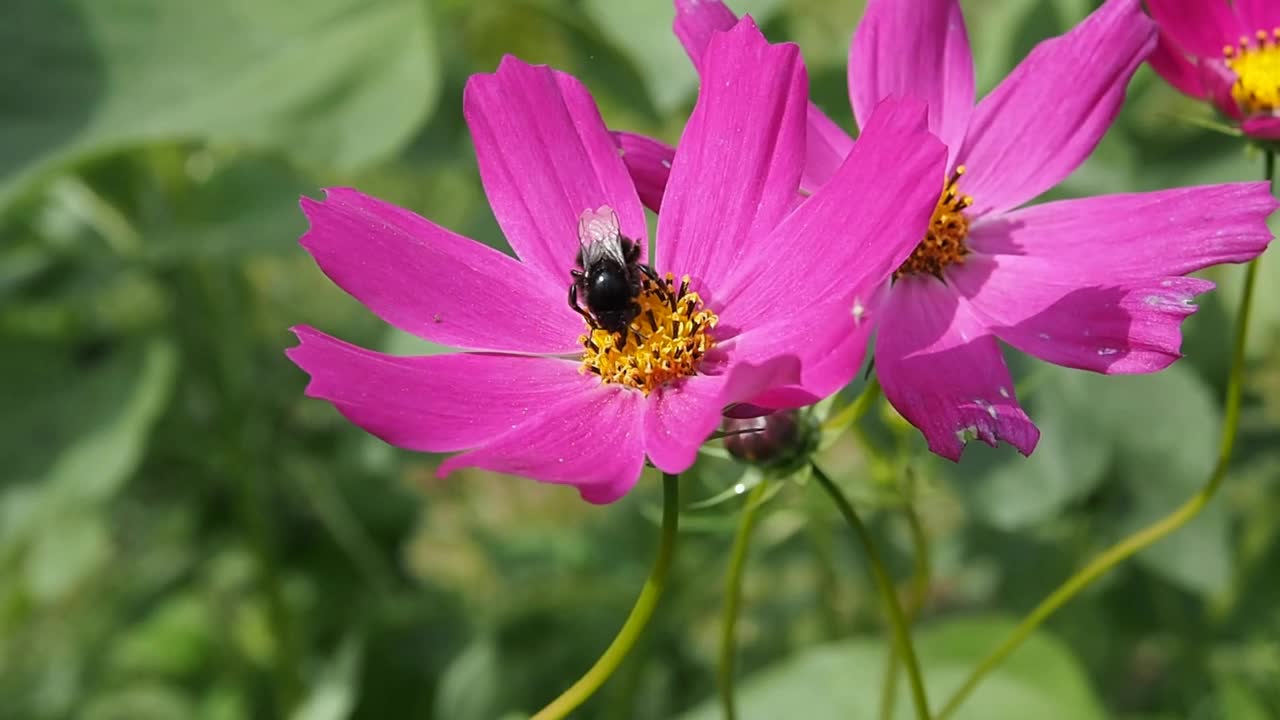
666, 340
943, 242
1256, 63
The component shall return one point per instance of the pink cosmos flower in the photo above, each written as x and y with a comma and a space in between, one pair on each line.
1225, 53
750, 301
1095, 284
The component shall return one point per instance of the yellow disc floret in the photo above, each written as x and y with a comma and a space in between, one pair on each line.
1256, 63
943, 242
665, 341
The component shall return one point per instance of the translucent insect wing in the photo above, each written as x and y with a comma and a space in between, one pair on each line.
600, 236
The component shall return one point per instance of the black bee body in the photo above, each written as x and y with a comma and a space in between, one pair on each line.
610, 288
608, 276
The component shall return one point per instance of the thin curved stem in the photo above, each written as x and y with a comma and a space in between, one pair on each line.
888, 594
919, 594
1152, 533
641, 612
733, 599
856, 409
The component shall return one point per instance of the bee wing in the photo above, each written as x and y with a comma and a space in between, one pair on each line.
600, 236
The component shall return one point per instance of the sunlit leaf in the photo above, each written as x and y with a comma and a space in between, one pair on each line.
333, 693
470, 688
842, 681
333, 82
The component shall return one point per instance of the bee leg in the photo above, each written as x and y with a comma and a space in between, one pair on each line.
573, 303
659, 285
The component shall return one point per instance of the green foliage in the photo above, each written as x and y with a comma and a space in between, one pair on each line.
334, 82
839, 680
184, 535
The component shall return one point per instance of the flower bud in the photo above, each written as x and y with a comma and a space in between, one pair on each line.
782, 439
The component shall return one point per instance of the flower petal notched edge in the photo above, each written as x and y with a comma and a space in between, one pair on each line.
945, 373
736, 171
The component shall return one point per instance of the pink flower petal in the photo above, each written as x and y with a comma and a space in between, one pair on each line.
441, 403
1203, 27
433, 283
1131, 327
944, 371
682, 416
914, 48
545, 156
1044, 119
696, 21
679, 419
737, 166
1217, 80
826, 143
591, 438
1263, 127
1113, 239
826, 147
1258, 15
830, 346
649, 162
1176, 68
855, 230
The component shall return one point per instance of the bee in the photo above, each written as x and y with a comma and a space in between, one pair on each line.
609, 275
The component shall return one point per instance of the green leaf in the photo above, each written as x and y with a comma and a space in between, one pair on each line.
77, 419
73, 429
470, 688
1002, 32
172, 640
1155, 435
65, 553
246, 207
140, 702
334, 693
1238, 701
1011, 492
1166, 428
842, 681
333, 82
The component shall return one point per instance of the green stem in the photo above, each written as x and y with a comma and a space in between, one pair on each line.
640, 615
1152, 533
733, 598
223, 295
856, 409
919, 594
888, 594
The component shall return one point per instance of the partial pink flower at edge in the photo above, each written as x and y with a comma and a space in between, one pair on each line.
1094, 284
1227, 54
518, 400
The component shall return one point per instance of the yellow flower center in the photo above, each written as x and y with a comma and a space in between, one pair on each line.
943, 242
665, 341
1256, 64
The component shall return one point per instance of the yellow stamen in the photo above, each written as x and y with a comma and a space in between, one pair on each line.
943, 242
666, 340
1256, 63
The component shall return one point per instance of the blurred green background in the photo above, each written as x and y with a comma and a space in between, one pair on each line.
184, 535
